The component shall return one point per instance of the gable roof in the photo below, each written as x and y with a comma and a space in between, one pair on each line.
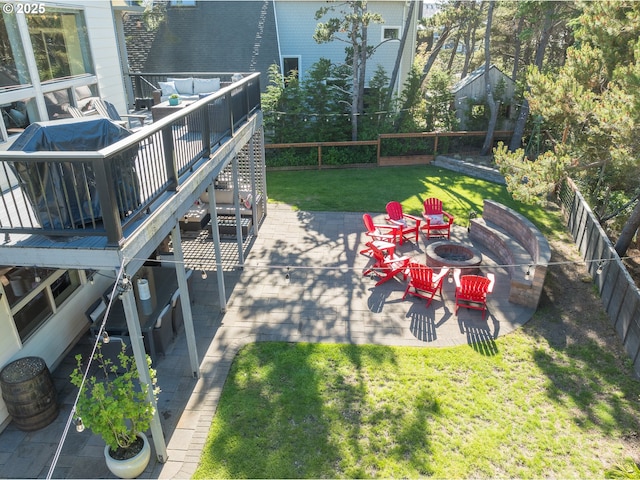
475, 75
220, 36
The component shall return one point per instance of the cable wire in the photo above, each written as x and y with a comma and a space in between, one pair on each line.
65, 432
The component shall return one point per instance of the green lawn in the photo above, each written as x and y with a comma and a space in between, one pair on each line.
522, 406
369, 190
336, 411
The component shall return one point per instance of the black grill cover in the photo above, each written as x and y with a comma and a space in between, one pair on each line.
56, 190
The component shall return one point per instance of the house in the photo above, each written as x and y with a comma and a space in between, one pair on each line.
65, 56
79, 225
250, 36
470, 96
42, 307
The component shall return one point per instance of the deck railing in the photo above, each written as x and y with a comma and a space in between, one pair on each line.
106, 192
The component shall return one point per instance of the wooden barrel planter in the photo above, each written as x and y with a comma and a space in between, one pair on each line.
29, 393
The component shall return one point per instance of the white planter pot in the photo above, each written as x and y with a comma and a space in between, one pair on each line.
132, 467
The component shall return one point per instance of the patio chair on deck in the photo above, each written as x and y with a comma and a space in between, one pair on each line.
472, 291
437, 221
107, 110
408, 224
423, 282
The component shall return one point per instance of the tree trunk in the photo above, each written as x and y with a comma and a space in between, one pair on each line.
403, 42
355, 83
493, 108
454, 50
517, 49
446, 31
518, 130
628, 231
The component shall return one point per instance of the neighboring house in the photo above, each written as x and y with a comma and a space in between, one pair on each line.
250, 36
470, 97
63, 56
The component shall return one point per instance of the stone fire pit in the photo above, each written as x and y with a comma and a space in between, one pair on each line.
454, 255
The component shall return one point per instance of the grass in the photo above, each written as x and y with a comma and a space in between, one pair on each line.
522, 407
369, 190
344, 411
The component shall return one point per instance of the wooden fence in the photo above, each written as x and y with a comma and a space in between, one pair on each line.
429, 145
618, 291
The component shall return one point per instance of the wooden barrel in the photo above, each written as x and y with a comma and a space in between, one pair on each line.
29, 393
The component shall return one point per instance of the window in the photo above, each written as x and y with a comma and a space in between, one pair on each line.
14, 71
34, 294
390, 33
183, 3
60, 44
477, 110
505, 110
291, 66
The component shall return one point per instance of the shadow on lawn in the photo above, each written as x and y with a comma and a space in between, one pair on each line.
583, 357
304, 411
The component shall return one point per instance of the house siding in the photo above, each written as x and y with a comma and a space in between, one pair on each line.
296, 26
53, 339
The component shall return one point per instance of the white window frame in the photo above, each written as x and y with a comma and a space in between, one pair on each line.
390, 27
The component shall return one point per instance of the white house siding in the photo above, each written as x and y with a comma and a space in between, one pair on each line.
104, 49
54, 338
296, 25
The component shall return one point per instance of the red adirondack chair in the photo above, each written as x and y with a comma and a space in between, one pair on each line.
472, 290
386, 266
423, 282
408, 224
437, 221
377, 234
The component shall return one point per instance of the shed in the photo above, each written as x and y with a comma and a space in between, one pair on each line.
469, 99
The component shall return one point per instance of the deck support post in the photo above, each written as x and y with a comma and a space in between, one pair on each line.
186, 301
140, 355
215, 234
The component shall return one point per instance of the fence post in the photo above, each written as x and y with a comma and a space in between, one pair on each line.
320, 156
378, 152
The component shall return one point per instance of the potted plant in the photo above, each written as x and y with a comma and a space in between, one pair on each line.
117, 407
174, 99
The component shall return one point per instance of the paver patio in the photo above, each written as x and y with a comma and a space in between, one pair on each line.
325, 299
